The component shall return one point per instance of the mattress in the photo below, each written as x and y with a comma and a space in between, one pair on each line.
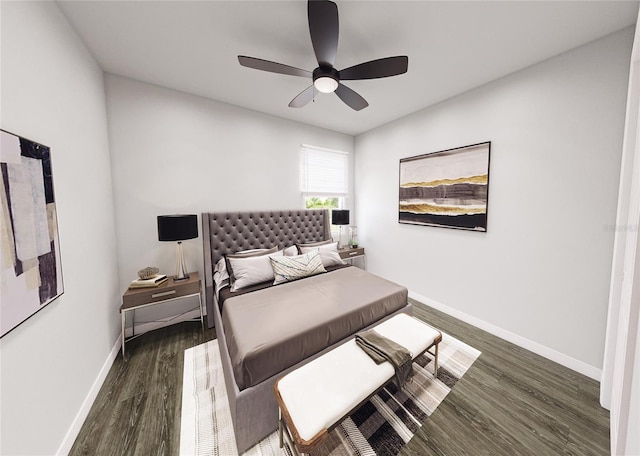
272, 329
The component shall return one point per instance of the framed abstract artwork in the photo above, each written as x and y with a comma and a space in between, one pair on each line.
29, 246
449, 188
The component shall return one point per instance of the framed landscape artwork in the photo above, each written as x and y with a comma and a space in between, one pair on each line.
29, 246
449, 188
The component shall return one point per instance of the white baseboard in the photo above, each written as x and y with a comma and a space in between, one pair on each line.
81, 416
555, 356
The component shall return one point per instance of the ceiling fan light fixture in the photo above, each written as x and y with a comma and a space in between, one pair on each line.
326, 84
324, 31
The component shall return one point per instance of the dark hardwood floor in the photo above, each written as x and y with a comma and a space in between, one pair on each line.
137, 411
510, 402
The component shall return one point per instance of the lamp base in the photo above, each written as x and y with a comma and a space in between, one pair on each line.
181, 268
340, 243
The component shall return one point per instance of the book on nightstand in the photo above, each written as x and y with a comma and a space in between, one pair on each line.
149, 283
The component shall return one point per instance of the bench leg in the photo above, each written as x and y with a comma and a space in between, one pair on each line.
280, 426
284, 432
435, 362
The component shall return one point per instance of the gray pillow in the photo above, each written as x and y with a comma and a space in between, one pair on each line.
328, 253
244, 254
251, 270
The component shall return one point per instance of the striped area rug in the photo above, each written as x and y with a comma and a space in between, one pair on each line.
380, 427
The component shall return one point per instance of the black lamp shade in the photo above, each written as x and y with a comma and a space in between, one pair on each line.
177, 227
340, 217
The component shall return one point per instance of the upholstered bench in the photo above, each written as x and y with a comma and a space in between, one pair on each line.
316, 397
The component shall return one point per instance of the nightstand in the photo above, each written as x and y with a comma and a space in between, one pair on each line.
171, 290
349, 254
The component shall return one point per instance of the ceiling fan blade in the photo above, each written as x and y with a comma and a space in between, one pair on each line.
272, 67
324, 30
380, 68
351, 97
303, 97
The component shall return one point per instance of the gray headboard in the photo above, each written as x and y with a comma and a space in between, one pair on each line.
230, 232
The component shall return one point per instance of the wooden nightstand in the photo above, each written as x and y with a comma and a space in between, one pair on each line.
171, 290
349, 254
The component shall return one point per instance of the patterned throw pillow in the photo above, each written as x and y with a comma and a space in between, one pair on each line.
286, 269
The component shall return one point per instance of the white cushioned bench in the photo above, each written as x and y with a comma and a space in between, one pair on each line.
316, 397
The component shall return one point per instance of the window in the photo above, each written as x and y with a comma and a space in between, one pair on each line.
323, 177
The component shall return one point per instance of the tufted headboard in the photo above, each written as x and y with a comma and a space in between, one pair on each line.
230, 232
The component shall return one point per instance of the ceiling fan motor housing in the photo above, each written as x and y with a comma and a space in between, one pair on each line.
326, 72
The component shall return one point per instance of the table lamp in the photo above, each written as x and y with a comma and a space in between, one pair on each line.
340, 217
178, 227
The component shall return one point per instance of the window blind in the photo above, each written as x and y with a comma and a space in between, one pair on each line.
323, 172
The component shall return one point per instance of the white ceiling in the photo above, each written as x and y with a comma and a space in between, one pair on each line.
453, 46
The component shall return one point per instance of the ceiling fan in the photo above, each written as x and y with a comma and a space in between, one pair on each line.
324, 30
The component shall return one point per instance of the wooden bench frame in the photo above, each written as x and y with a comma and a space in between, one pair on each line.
287, 428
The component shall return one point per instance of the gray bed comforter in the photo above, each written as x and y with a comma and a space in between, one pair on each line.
272, 329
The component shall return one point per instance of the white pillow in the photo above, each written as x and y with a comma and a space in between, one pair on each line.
286, 269
291, 251
328, 253
313, 244
309, 248
330, 258
220, 275
251, 270
245, 254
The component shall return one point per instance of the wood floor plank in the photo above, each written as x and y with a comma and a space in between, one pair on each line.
157, 428
127, 426
151, 376
537, 407
510, 402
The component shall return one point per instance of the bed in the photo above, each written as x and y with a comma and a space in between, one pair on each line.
306, 317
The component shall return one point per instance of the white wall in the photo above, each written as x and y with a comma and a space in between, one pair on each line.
540, 275
177, 153
53, 93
